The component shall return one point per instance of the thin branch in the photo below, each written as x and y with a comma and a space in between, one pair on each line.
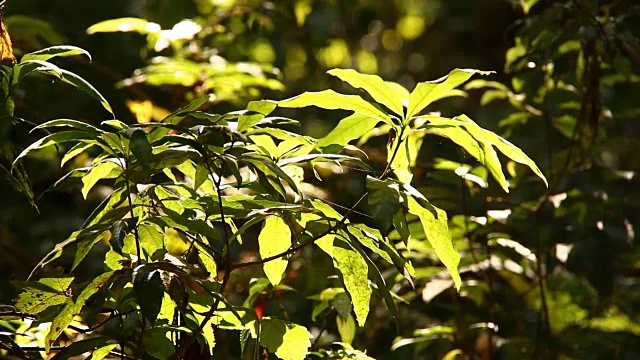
304, 244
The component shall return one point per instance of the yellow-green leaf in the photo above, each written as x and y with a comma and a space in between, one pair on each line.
349, 128
505, 147
436, 229
374, 85
482, 152
429, 91
331, 100
129, 24
274, 239
354, 271
71, 308
104, 170
288, 341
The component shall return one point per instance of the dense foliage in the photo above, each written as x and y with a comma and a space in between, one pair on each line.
328, 224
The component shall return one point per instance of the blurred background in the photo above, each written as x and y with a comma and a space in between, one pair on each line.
548, 272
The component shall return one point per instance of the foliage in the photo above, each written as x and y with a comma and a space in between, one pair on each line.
201, 223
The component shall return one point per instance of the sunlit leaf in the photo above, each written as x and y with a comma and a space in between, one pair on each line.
274, 239
55, 51
482, 152
429, 91
349, 128
505, 147
151, 238
140, 26
36, 297
79, 347
346, 328
288, 341
70, 78
329, 99
78, 125
434, 222
104, 170
374, 85
398, 157
354, 271
72, 308
53, 139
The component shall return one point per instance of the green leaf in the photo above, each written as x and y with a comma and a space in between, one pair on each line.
149, 291
102, 352
141, 148
175, 117
151, 238
349, 128
128, 24
452, 130
354, 271
329, 99
401, 226
274, 239
55, 51
156, 343
86, 240
80, 347
261, 109
77, 125
119, 231
384, 201
374, 272
70, 78
266, 144
36, 297
399, 160
104, 170
116, 124
375, 86
264, 107
429, 91
54, 139
375, 242
434, 223
72, 308
288, 341
76, 150
505, 147
346, 328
